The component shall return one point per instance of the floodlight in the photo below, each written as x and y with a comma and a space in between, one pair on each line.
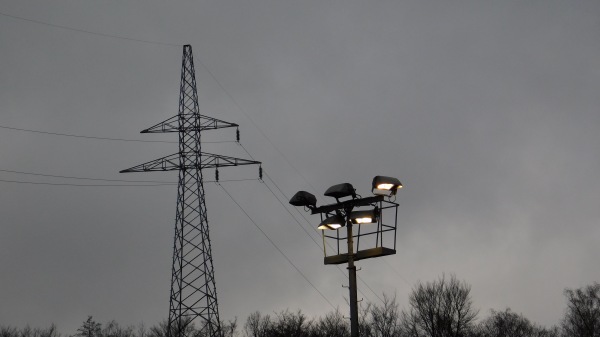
386, 185
364, 217
303, 198
332, 223
340, 191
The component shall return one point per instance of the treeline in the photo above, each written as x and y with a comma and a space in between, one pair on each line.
441, 308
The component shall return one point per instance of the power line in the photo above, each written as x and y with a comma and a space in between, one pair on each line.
385, 261
110, 185
290, 213
78, 185
85, 178
277, 247
151, 141
253, 123
114, 180
328, 244
155, 141
90, 32
308, 222
103, 138
310, 236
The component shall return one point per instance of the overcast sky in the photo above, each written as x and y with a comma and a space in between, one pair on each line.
487, 111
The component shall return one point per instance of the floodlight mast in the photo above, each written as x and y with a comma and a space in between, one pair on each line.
352, 277
345, 210
343, 216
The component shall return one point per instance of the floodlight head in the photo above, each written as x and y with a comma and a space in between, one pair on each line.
364, 217
340, 191
386, 185
332, 223
303, 198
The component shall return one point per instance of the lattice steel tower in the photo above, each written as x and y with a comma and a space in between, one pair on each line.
193, 291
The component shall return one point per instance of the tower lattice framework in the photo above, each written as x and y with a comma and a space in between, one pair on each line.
193, 296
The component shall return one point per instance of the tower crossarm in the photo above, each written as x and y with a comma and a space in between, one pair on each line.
210, 160
205, 160
183, 122
168, 163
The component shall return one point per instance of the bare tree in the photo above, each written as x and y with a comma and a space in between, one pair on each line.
89, 328
8, 331
52, 331
441, 308
365, 328
385, 318
332, 325
113, 329
289, 324
187, 329
257, 325
509, 324
141, 330
159, 330
552, 332
582, 318
506, 324
27, 331
230, 328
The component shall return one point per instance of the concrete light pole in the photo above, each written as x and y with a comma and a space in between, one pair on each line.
352, 281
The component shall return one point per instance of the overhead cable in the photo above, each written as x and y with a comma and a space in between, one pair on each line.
308, 222
109, 185
85, 178
314, 190
91, 32
103, 138
277, 247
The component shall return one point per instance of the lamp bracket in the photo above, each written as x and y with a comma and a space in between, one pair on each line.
348, 204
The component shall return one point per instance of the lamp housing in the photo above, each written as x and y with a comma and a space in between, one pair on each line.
365, 217
341, 191
303, 198
383, 185
332, 223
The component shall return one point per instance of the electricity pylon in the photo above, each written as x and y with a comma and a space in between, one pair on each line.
193, 290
